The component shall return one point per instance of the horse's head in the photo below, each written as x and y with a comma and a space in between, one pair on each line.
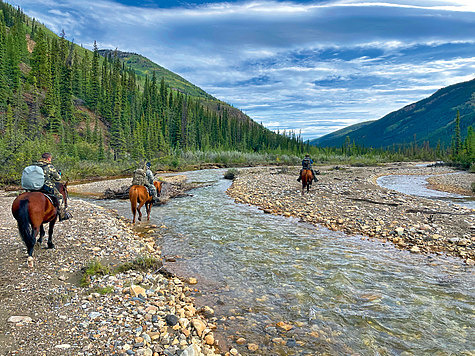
63, 189
158, 186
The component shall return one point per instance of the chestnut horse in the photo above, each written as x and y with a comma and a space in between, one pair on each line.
33, 209
307, 178
138, 194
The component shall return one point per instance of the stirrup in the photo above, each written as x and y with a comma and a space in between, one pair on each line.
66, 216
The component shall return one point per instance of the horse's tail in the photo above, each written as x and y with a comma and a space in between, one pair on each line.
24, 224
133, 195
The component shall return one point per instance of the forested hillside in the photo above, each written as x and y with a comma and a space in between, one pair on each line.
144, 67
57, 96
431, 121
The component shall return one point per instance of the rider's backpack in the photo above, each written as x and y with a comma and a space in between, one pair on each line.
139, 177
33, 178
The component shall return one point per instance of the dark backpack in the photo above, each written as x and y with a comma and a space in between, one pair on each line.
306, 164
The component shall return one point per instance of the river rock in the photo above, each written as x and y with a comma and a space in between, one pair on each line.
253, 347
209, 339
199, 326
171, 320
284, 326
137, 291
415, 249
191, 350
19, 319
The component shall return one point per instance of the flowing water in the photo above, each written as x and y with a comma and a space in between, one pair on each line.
417, 185
342, 294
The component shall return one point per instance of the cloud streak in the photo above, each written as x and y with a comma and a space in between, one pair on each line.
308, 65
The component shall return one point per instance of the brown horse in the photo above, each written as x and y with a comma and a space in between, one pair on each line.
33, 209
138, 194
307, 178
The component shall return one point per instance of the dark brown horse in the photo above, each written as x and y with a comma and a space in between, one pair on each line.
33, 209
138, 194
307, 178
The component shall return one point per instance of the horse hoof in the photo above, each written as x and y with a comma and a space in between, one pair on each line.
51, 245
30, 262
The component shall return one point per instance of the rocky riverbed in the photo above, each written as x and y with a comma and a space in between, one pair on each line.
348, 199
45, 311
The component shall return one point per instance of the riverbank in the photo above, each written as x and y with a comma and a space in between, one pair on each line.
348, 199
45, 311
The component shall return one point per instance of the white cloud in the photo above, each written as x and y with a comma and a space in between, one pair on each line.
289, 64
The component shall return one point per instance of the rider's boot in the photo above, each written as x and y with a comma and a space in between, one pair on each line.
63, 214
315, 179
155, 199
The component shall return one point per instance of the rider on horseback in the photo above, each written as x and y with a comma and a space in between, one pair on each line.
145, 177
149, 183
307, 164
51, 177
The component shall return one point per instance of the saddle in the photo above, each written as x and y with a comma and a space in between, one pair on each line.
50, 196
52, 199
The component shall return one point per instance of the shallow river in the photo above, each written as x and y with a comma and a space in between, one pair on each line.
417, 185
343, 295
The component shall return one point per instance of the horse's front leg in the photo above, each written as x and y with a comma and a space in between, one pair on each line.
50, 234
42, 234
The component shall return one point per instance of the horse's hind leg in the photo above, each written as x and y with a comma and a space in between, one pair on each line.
42, 234
138, 209
50, 234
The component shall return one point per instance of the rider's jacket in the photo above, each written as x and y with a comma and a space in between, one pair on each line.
51, 174
149, 175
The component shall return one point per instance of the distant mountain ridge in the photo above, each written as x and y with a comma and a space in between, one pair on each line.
429, 120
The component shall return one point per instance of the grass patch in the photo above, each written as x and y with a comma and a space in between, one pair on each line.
103, 290
93, 268
139, 264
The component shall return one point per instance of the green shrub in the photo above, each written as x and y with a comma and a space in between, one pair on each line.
231, 173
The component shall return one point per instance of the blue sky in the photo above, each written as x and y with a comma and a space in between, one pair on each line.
309, 66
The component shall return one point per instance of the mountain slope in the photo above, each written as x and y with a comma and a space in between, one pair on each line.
340, 134
145, 67
429, 120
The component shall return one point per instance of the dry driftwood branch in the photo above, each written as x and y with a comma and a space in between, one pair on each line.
432, 212
374, 201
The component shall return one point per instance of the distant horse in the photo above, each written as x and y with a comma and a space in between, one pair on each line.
33, 209
138, 194
307, 178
